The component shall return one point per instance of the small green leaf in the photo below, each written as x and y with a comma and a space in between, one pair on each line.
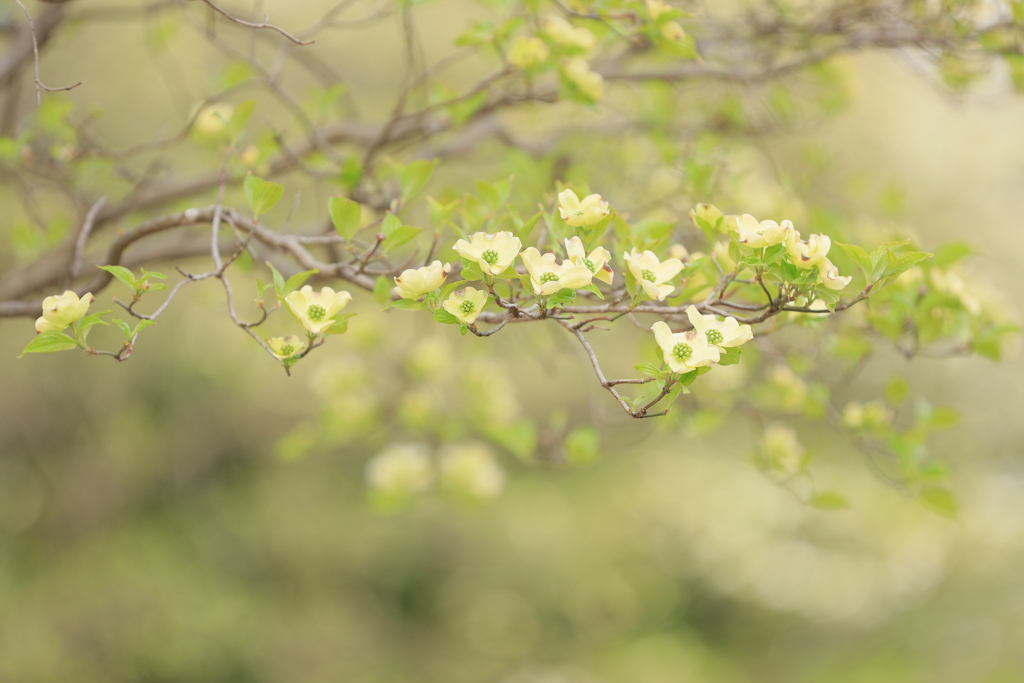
240, 117
951, 253
382, 290
730, 356
941, 501
50, 342
582, 445
297, 280
443, 316
829, 500
399, 236
943, 418
261, 194
85, 324
413, 177
408, 305
278, 279
340, 325
346, 216
649, 369
125, 329
122, 274
896, 391
858, 256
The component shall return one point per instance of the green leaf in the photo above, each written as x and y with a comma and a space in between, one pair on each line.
122, 274
649, 369
240, 117
382, 290
340, 325
143, 324
85, 324
730, 356
582, 445
399, 236
50, 342
346, 216
520, 438
278, 279
829, 500
940, 500
471, 271
943, 418
896, 391
408, 305
443, 316
261, 194
124, 327
951, 253
858, 256
297, 280
414, 177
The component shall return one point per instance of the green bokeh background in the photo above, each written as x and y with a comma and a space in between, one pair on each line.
150, 529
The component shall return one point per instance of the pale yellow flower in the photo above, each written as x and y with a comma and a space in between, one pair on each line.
401, 470
581, 212
415, 282
589, 83
759, 234
724, 334
493, 251
807, 254
466, 304
471, 470
567, 35
527, 52
707, 212
596, 262
830, 275
782, 449
61, 311
316, 310
212, 120
284, 348
653, 274
684, 351
547, 277
655, 8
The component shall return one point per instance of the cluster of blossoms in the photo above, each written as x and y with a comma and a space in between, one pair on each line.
703, 345
468, 471
315, 311
805, 255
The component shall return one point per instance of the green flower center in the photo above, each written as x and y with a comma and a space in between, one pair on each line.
682, 351
490, 256
647, 275
467, 307
548, 277
714, 336
316, 312
287, 350
589, 264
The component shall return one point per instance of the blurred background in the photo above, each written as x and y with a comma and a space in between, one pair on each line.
196, 515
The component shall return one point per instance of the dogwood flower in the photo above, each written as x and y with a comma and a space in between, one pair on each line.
653, 274
807, 254
589, 83
466, 304
596, 262
759, 234
400, 470
724, 334
415, 282
567, 35
527, 52
830, 276
684, 351
493, 251
61, 311
581, 212
316, 310
213, 120
472, 471
547, 277
284, 348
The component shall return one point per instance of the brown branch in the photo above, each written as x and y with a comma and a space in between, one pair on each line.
262, 25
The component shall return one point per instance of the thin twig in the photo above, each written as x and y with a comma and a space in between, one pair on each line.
40, 86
